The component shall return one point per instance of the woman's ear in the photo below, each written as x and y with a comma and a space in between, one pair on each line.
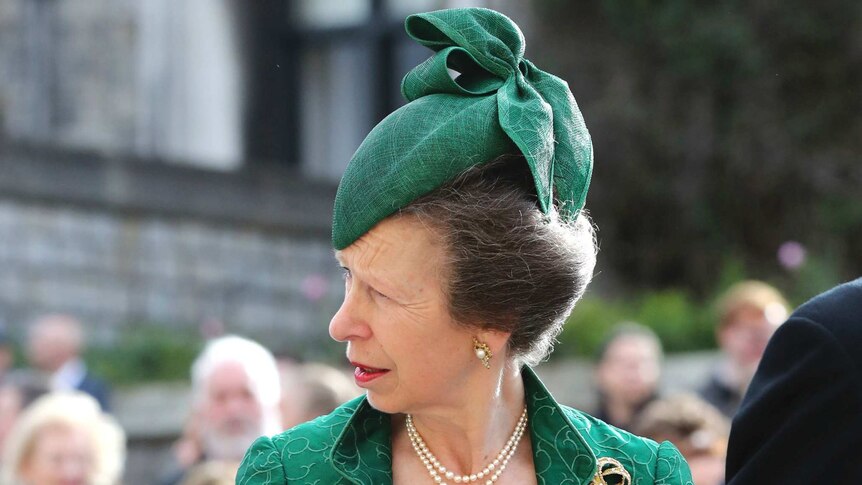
495, 340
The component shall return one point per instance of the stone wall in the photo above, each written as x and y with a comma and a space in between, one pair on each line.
116, 242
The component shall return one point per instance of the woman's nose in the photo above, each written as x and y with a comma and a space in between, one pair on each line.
350, 321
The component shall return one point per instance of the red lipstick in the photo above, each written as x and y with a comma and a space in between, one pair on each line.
364, 374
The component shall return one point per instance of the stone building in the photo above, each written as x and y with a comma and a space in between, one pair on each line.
174, 162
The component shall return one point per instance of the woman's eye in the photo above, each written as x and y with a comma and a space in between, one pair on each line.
345, 274
378, 294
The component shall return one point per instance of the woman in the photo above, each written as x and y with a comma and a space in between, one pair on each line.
64, 439
628, 367
749, 312
459, 226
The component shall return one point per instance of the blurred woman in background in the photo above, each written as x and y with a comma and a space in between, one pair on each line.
627, 373
64, 438
749, 312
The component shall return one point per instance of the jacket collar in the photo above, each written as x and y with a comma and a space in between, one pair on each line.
362, 454
560, 454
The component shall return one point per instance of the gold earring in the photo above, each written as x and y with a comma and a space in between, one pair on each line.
483, 352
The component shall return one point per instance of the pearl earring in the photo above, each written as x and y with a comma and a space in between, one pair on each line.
483, 352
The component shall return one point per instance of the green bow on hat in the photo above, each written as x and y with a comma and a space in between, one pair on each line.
500, 103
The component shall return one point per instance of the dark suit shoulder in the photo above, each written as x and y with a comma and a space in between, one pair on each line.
97, 388
808, 379
839, 310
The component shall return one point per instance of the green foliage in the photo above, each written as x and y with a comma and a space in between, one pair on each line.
681, 322
146, 353
818, 274
588, 324
684, 322
694, 40
732, 271
722, 129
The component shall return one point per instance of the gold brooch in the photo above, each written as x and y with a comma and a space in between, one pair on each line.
610, 472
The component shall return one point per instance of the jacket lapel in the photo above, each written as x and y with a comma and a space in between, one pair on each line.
362, 454
560, 454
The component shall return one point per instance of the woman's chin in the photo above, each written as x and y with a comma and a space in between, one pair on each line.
380, 403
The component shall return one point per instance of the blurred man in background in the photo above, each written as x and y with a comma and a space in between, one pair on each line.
236, 393
627, 373
54, 347
748, 314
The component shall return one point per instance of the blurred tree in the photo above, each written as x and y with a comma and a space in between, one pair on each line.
721, 130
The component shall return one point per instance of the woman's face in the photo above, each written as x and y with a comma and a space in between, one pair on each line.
61, 455
630, 370
745, 336
410, 354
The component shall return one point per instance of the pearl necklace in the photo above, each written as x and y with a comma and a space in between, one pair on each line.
492, 472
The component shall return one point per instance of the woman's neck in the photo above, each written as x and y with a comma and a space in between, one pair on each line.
467, 435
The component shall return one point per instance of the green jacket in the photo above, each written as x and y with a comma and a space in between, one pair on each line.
352, 446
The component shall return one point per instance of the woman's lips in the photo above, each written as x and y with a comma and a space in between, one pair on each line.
364, 374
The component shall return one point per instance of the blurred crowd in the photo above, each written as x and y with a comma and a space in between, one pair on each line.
56, 424
628, 376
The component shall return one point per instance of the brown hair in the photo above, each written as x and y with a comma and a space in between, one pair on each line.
756, 295
75, 410
510, 267
629, 330
686, 420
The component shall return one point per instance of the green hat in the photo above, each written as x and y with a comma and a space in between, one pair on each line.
499, 104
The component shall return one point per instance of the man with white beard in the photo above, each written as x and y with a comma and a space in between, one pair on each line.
235, 392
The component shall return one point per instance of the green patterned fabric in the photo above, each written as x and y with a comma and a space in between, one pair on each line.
500, 103
352, 445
